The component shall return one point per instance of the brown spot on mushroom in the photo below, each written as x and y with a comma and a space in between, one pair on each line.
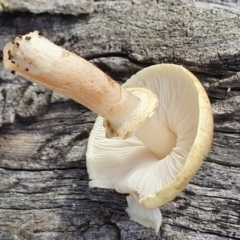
26, 69
20, 36
13, 62
28, 38
108, 124
13, 72
17, 44
9, 55
111, 130
40, 33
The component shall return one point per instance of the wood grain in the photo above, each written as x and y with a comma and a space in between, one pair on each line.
44, 191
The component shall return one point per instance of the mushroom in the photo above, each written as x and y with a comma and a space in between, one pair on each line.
152, 133
181, 131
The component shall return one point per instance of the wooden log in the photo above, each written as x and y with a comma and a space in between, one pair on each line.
44, 191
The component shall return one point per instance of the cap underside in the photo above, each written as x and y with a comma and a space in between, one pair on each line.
127, 165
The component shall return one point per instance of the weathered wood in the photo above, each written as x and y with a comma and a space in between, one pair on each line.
44, 191
73, 7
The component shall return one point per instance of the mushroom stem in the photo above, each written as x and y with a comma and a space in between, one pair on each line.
150, 134
41, 61
34, 57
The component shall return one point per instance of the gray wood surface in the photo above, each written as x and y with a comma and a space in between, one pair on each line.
44, 191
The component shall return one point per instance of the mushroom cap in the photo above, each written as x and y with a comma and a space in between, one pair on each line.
128, 166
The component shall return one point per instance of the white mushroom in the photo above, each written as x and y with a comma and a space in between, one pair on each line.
167, 146
181, 133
